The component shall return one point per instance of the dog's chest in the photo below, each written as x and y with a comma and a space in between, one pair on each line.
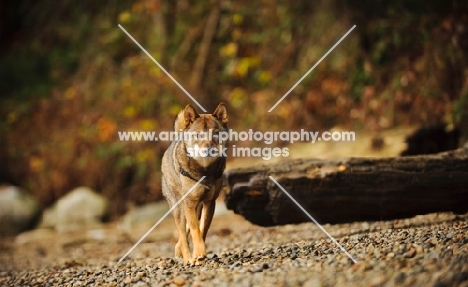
210, 192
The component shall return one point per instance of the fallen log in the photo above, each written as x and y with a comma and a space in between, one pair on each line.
350, 189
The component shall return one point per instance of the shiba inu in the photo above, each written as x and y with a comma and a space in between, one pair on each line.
185, 162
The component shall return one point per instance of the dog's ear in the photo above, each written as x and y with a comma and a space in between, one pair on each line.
221, 113
190, 115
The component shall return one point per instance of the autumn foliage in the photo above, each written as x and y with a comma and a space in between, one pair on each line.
72, 81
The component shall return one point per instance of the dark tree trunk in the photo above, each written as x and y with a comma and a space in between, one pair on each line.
351, 189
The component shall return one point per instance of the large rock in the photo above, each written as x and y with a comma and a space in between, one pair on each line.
81, 208
19, 210
147, 214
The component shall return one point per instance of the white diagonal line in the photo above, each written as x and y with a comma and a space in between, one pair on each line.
311, 69
162, 68
313, 219
162, 218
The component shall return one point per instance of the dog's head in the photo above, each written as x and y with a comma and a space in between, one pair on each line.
204, 135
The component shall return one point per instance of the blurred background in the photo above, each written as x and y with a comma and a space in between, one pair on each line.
70, 79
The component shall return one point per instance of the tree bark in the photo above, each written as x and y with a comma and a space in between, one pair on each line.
208, 35
351, 189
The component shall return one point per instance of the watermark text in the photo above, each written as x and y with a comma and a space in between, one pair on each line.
267, 137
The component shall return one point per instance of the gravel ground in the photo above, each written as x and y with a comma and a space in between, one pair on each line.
429, 250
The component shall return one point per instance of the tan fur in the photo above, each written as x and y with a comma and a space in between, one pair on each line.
181, 172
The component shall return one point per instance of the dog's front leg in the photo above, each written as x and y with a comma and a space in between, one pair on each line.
207, 216
197, 239
182, 248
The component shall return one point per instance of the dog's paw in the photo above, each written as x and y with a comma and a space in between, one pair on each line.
199, 252
197, 261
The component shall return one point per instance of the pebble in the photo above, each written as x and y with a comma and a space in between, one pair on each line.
413, 252
410, 253
179, 281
